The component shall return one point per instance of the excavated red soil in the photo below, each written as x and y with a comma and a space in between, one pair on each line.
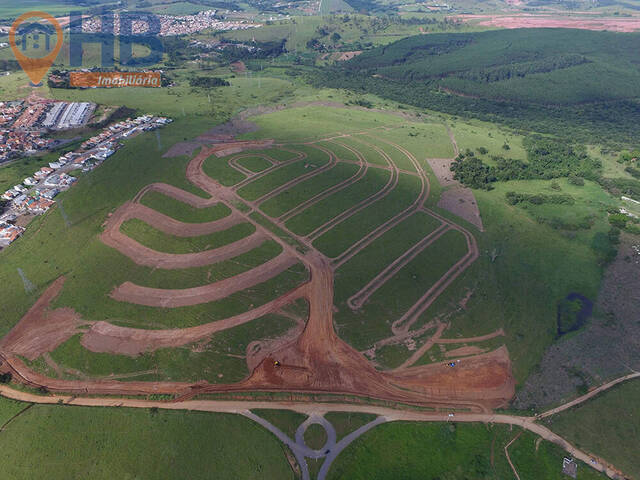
315, 361
41, 330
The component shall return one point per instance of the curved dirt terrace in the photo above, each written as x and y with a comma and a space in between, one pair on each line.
176, 193
383, 192
147, 257
169, 225
359, 298
300, 156
104, 337
173, 298
291, 183
354, 249
329, 191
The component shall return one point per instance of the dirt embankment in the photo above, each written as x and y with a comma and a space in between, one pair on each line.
42, 329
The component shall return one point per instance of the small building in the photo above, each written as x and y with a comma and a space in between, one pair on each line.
569, 467
30, 181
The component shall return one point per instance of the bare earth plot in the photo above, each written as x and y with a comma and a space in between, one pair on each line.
311, 357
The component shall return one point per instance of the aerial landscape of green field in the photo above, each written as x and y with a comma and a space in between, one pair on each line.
341, 239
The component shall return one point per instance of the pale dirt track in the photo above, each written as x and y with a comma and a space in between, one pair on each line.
362, 170
291, 183
389, 414
356, 301
169, 225
383, 192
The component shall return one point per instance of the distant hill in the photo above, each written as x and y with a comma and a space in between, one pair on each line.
524, 77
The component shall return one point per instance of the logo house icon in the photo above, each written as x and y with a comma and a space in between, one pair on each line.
35, 31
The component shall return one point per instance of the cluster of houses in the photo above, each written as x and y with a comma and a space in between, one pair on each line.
23, 124
35, 194
172, 24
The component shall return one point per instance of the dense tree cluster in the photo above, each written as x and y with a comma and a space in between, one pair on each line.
208, 82
547, 158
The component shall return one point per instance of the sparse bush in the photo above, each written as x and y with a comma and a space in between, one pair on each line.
576, 180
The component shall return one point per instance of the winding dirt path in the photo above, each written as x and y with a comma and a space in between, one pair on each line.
105, 337
173, 298
589, 395
362, 170
299, 157
359, 298
383, 192
292, 183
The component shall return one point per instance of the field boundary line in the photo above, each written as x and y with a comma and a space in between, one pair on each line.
359, 298
330, 191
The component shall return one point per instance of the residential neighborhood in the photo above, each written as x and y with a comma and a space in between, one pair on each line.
24, 124
173, 24
34, 196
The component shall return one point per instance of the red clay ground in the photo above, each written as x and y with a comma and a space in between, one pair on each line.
316, 360
555, 21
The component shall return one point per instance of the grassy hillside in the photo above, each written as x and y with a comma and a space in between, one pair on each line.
608, 426
452, 451
58, 442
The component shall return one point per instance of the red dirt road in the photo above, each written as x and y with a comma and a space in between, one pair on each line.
160, 297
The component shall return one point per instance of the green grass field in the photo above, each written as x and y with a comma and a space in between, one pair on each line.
148, 236
357, 226
286, 420
254, 163
181, 211
453, 451
347, 422
328, 208
305, 190
58, 442
607, 426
